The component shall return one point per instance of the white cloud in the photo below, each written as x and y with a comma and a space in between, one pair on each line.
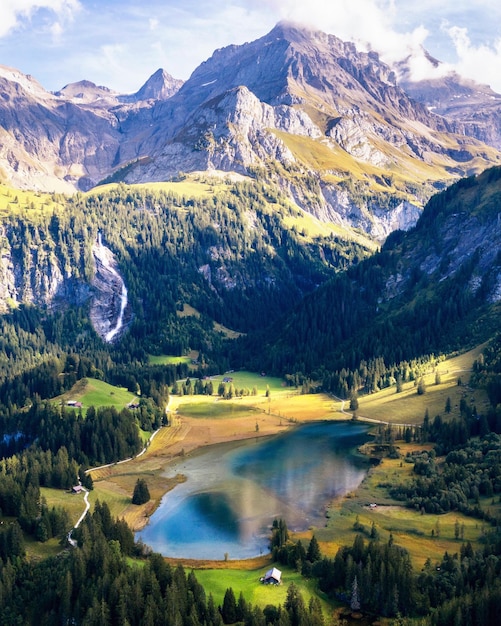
15, 13
477, 62
398, 29
119, 43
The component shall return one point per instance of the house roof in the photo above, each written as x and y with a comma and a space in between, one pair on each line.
273, 573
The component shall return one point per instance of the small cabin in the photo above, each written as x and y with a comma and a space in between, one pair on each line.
272, 577
77, 489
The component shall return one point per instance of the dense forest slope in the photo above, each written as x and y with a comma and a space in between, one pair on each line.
435, 288
238, 253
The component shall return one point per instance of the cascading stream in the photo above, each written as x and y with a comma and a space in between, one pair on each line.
108, 279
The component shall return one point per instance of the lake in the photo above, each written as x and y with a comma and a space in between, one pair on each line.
234, 491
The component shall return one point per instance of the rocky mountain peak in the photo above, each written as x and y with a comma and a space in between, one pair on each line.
459, 100
85, 92
159, 86
24, 81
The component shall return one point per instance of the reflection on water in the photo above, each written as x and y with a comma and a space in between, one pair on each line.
233, 492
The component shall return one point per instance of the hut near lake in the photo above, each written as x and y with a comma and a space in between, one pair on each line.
272, 577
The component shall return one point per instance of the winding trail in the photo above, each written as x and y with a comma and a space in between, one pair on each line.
72, 541
371, 420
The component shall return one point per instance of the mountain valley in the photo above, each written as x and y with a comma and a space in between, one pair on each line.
298, 232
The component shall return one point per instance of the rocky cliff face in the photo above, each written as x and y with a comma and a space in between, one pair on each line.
110, 311
38, 275
462, 230
329, 125
473, 108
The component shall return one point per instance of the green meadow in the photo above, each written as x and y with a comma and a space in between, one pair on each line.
423, 535
96, 393
213, 409
248, 380
164, 359
216, 581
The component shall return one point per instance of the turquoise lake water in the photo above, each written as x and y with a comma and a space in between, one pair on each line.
234, 491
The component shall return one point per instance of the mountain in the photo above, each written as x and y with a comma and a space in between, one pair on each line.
300, 109
69, 139
327, 117
431, 290
476, 107
159, 86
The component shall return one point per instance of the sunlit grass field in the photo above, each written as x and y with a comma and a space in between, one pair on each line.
217, 581
72, 502
416, 532
97, 393
29, 203
165, 359
213, 409
408, 407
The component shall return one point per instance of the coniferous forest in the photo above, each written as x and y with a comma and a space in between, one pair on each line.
322, 312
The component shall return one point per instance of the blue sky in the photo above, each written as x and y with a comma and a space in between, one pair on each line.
120, 43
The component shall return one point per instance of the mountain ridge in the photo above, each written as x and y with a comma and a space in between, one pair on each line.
329, 125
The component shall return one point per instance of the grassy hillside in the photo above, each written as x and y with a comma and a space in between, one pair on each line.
96, 393
31, 204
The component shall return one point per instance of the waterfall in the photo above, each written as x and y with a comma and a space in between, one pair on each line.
107, 261
123, 304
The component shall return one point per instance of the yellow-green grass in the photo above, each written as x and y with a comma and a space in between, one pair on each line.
144, 435
30, 203
116, 497
411, 529
166, 359
190, 187
115, 486
312, 227
408, 407
73, 503
329, 158
243, 379
37, 550
491, 504
97, 393
227, 332
214, 410
322, 157
335, 162
189, 311
408, 527
217, 581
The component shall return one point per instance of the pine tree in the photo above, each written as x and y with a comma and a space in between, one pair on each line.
229, 608
313, 554
141, 493
355, 596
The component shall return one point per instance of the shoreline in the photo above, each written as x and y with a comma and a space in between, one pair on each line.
186, 436
256, 560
